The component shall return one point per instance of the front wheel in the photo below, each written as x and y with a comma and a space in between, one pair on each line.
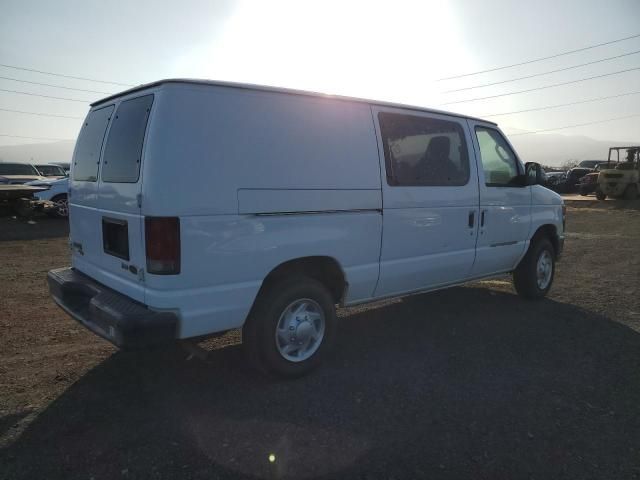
534, 275
61, 209
290, 328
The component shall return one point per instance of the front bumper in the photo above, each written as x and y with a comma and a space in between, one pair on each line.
613, 188
113, 316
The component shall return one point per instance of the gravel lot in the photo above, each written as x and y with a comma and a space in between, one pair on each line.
471, 382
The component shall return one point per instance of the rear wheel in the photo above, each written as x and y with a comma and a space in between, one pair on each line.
534, 275
600, 195
631, 192
290, 328
584, 191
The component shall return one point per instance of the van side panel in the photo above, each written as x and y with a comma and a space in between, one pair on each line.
226, 257
268, 201
208, 142
546, 209
258, 179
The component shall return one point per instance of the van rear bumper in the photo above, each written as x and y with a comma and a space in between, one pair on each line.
113, 316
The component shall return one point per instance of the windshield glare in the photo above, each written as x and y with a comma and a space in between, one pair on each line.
17, 169
50, 170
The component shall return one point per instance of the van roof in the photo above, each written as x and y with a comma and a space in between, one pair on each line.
290, 91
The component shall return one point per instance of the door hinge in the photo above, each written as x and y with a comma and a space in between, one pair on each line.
139, 199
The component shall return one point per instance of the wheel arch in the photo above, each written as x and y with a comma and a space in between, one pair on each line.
60, 195
325, 269
549, 231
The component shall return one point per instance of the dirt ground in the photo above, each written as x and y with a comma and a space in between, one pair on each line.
470, 382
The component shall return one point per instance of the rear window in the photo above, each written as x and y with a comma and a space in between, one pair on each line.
87, 154
123, 151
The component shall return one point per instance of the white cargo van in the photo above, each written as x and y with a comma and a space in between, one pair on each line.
197, 207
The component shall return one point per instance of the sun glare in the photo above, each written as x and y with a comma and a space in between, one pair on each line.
349, 48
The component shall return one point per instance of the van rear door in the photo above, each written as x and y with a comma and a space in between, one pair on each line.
106, 226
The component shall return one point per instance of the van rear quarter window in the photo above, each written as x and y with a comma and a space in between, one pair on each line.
87, 155
423, 151
123, 151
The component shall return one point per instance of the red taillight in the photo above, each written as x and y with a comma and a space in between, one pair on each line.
162, 241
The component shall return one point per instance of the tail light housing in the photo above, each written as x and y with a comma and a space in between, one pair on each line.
162, 242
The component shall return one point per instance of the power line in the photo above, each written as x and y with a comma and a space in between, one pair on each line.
573, 126
32, 138
539, 59
541, 88
540, 74
55, 86
65, 76
45, 96
39, 114
561, 105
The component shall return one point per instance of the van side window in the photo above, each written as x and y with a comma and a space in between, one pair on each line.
421, 151
87, 154
499, 163
123, 152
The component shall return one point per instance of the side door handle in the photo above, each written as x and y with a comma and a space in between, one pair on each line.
472, 218
482, 218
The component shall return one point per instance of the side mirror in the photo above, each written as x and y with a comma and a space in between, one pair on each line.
533, 173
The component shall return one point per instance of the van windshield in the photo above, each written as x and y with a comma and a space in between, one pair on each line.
123, 150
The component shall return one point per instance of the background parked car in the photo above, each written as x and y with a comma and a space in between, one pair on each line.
590, 163
50, 170
57, 192
556, 180
66, 166
573, 177
18, 173
589, 183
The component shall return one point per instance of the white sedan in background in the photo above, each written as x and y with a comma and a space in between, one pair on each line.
56, 192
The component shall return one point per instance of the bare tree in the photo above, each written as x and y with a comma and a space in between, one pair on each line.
570, 163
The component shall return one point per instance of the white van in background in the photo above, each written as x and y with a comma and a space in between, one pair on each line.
197, 207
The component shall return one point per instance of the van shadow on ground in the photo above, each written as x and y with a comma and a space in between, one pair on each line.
463, 383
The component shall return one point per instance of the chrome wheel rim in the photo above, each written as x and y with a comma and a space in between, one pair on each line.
300, 330
544, 269
62, 207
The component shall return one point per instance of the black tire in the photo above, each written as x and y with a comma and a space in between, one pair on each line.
600, 195
525, 276
631, 192
584, 192
60, 212
259, 332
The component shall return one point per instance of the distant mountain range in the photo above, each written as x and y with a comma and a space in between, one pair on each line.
38, 152
546, 149
555, 149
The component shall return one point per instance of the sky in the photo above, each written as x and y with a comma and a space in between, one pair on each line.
394, 50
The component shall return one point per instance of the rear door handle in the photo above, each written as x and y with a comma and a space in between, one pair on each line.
472, 218
482, 218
